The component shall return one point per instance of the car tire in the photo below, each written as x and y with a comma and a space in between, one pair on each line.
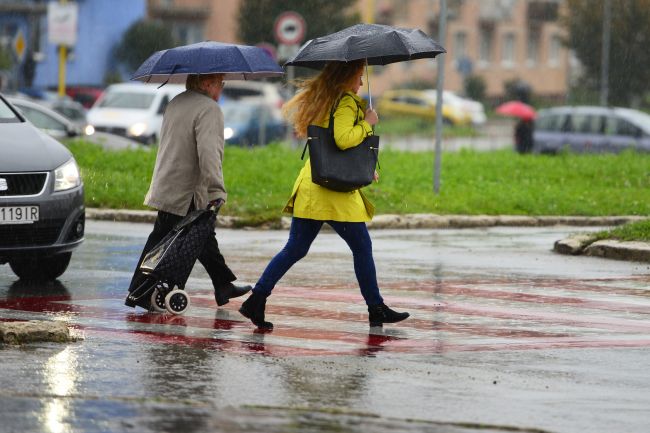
40, 268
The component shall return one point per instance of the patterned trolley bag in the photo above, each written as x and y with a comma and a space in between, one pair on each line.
168, 265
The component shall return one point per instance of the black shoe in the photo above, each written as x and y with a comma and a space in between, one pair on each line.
253, 308
380, 314
228, 291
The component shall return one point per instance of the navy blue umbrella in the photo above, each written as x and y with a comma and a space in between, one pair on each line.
237, 62
376, 43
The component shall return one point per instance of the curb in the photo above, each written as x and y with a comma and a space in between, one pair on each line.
587, 245
20, 332
390, 221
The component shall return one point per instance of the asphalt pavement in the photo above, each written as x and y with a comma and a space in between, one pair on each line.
504, 335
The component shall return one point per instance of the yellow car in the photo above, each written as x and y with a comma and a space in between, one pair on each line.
418, 103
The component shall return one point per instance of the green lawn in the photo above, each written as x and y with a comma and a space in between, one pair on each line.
259, 181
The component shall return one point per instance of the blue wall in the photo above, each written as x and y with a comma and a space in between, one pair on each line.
101, 24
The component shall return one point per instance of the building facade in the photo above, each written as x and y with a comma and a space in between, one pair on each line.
100, 26
498, 40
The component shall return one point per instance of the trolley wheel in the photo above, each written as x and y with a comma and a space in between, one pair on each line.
158, 301
177, 301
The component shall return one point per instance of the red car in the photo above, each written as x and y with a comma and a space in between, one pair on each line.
85, 95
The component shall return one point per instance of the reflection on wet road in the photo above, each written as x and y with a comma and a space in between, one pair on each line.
495, 317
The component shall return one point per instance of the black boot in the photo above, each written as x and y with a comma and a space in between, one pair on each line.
228, 291
380, 314
253, 308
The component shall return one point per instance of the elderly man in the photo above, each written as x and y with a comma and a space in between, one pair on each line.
188, 175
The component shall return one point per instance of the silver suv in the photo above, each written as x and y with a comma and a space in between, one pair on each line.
42, 214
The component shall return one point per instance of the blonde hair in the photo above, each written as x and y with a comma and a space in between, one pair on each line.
195, 81
317, 95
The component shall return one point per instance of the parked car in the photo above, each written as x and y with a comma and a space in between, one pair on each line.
42, 214
64, 105
591, 129
133, 110
49, 121
418, 103
85, 95
57, 126
253, 91
252, 123
473, 109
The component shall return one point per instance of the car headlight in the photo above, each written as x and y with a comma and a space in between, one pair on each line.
67, 176
228, 133
137, 129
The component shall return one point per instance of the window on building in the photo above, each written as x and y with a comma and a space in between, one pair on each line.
508, 50
554, 49
486, 42
532, 47
460, 45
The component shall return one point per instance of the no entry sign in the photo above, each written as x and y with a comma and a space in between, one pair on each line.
290, 28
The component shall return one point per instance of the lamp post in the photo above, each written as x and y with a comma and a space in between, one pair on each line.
604, 65
441, 79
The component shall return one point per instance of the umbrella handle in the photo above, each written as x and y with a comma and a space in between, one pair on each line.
368, 81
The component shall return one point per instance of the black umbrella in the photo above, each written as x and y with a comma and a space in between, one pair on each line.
378, 44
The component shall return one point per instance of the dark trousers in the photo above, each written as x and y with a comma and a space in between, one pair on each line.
302, 234
210, 258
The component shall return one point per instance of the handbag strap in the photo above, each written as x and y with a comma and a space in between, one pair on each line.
330, 127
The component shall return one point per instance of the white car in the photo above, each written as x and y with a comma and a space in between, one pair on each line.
253, 91
133, 110
474, 110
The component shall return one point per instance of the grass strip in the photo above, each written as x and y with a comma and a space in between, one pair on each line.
259, 181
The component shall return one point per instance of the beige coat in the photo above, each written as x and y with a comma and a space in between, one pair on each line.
188, 164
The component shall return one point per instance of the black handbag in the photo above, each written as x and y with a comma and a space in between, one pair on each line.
336, 169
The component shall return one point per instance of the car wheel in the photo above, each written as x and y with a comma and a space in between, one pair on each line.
40, 268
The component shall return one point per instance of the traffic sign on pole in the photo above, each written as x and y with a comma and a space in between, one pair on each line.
289, 28
19, 45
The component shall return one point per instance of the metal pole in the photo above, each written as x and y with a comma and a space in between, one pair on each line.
441, 79
63, 54
290, 138
604, 66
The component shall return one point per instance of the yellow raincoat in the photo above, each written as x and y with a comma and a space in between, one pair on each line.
312, 201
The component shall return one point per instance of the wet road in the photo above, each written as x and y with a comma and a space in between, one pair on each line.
503, 334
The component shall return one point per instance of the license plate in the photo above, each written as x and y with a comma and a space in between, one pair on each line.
18, 214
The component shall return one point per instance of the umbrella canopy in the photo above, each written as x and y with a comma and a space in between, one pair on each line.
517, 109
378, 44
237, 62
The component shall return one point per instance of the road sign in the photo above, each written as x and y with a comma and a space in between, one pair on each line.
19, 45
62, 23
290, 28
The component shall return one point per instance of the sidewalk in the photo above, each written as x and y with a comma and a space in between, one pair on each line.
579, 244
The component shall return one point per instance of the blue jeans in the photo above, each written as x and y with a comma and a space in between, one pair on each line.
302, 234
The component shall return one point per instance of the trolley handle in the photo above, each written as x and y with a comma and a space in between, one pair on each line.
215, 205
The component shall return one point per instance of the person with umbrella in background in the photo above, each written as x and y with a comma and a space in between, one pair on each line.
312, 205
188, 171
524, 128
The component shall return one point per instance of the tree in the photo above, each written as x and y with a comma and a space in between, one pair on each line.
629, 66
257, 17
142, 39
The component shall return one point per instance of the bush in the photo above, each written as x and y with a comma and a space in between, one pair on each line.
475, 86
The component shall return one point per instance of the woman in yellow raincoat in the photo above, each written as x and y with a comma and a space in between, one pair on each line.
312, 205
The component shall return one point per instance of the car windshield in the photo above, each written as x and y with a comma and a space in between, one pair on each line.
238, 113
134, 100
6, 114
640, 118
